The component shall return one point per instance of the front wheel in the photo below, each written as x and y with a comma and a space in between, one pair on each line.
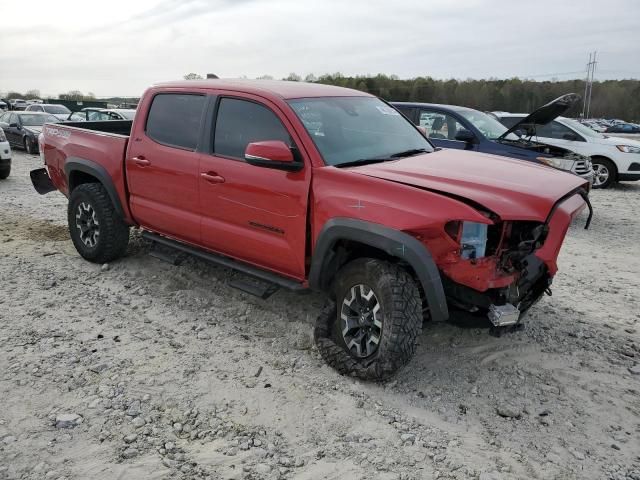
97, 231
5, 173
371, 330
605, 172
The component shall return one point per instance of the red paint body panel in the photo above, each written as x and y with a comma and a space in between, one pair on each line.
558, 227
272, 218
108, 150
515, 190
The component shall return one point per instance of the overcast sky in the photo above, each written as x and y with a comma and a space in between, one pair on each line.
120, 47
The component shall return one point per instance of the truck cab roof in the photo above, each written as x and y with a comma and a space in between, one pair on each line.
280, 88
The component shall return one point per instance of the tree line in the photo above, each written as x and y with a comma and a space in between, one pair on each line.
35, 95
610, 98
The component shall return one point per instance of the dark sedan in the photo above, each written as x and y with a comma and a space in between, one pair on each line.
22, 128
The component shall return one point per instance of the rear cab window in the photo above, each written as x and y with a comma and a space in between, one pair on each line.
175, 119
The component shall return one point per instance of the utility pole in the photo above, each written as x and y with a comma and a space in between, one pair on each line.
588, 87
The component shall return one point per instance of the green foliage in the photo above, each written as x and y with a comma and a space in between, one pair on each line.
610, 98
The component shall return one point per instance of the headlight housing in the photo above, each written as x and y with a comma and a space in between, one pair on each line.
471, 236
628, 148
557, 162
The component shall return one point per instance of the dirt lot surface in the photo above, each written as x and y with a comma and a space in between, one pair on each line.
141, 369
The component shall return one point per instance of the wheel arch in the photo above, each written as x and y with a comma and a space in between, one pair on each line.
79, 171
376, 241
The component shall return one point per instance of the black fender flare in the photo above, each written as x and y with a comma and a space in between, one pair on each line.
393, 242
75, 164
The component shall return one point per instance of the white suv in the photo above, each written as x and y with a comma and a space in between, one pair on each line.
613, 158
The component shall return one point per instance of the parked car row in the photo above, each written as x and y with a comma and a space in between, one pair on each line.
449, 126
614, 159
611, 126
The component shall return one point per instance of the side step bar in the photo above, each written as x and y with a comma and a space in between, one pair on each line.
226, 262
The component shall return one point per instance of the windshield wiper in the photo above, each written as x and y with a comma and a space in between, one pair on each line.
367, 161
409, 153
361, 161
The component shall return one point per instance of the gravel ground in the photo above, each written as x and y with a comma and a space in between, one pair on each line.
141, 369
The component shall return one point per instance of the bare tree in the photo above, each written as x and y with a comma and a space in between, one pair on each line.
72, 95
35, 93
293, 77
192, 76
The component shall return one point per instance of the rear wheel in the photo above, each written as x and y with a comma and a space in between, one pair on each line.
605, 172
97, 231
372, 328
29, 146
5, 173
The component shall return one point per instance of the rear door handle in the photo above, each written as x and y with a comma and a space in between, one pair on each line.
140, 160
212, 177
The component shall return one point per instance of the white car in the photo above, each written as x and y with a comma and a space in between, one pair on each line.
5, 156
614, 159
59, 111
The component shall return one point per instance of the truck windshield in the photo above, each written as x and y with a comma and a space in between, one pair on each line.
347, 130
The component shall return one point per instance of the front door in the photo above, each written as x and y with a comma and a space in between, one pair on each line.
14, 133
442, 128
252, 213
162, 166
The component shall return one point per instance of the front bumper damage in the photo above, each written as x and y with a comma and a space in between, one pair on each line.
506, 285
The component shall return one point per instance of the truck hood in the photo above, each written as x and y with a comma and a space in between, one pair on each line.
546, 113
512, 189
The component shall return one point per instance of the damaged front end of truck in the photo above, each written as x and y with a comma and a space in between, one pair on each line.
502, 268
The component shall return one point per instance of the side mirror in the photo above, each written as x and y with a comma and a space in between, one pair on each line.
570, 136
271, 154
464, 135
14, 125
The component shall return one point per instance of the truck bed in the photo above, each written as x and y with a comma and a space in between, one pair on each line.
119, 127
98, 147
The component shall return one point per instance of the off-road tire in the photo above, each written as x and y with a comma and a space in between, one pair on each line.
28, 146
4, 173
113, 232
609, 166
399, 297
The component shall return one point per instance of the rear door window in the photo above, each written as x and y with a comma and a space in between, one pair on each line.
175, 119
241, 122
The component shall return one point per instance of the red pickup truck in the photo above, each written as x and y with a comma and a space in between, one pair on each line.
314, 186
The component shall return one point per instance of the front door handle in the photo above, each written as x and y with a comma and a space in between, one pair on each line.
212, 177
140, 160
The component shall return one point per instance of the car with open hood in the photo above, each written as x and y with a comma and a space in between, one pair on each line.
310, 186
462, 128
614, 159
22, 128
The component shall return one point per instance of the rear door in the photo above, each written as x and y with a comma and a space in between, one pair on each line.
252, 213
162, 166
